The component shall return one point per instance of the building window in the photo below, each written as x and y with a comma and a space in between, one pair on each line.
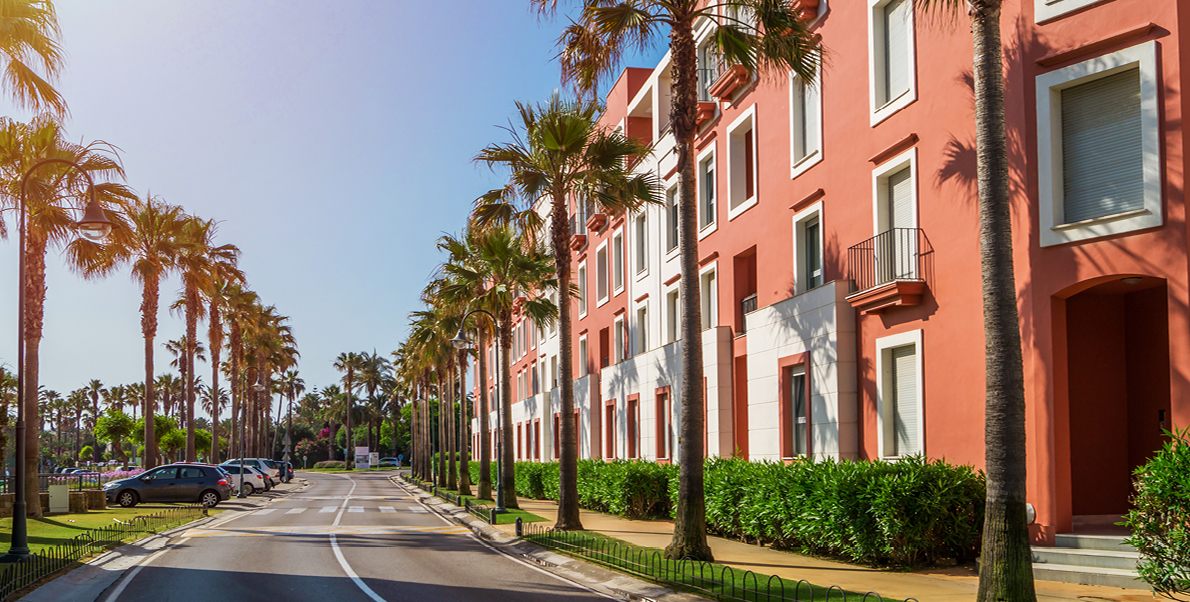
706, 191
673, 312
805, 124
662, 433
807, 252
899, 399
582, 356
601, 290
1045, 10
709, 291
891, 66
553, 372
537, 439
1099, 163
618, 262
710, 67
642, 243
609, 429
642, 329
631, 426
557, 435
894, 186
741, 164
582, 289
618, 341
536, 385
671, 206
795, 396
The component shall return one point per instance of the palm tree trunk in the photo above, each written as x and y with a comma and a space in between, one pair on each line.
465, 435
215, 337
452, 481
507, 468
568, 507
149, 330
485, 427
348, 455
690, 528
191, 343
35, 312
441, 430
1006, 570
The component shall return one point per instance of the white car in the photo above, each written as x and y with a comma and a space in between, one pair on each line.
253, 480
272, 475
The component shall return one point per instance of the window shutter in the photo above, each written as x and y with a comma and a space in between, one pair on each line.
905, 419
1102, 157
896, 48
900, 200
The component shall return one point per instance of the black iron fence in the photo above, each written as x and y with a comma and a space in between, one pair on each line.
76, 482
14, 577
711, 580
480, 511
892, 255
747, 306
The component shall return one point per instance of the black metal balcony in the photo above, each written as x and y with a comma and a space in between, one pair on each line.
898, 256
747, 306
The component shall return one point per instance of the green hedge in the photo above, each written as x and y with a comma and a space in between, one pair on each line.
903, 513
330, 464
1160, 519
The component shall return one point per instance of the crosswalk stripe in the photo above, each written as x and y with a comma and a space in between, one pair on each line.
327, 509
295, 511
263, 531
265, 511
387, 509
355, 508
418, 510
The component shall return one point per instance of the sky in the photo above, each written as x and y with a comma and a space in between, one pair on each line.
333, 142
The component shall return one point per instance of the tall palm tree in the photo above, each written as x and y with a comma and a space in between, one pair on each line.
94, 391
560, 152
767, 36
152, 243
77, 403
292, 386
218, 292
240, 305
52, 190
213, 399
30, 43
332, 398
348, 363
1006, 567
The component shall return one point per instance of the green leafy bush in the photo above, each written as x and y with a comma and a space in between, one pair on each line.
1160, 519
330, 464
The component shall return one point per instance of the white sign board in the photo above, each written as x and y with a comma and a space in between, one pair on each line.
374, 458
361, 459
59, 498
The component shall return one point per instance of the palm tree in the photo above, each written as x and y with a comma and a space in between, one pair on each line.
758, 35
561, 152
218, 293
31, 36
1006, 568
76, 403
8, 393
291, 387
240, 305
332, 397
152, 244
213, 400
51, 191
94, 390
348, 363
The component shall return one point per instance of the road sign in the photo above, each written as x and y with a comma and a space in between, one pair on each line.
285, 449
286, 458
286, 440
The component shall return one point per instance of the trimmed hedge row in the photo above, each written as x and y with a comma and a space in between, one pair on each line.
903, 513
330, 464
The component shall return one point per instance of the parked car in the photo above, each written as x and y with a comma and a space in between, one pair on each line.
253, 480
272, 475
171, 483
286, 471
390, 462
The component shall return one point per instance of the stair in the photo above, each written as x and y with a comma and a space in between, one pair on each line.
1088, 560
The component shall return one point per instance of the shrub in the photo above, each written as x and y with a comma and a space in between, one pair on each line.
1160, 519
330, 464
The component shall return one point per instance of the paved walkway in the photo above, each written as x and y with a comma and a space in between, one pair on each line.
929, 585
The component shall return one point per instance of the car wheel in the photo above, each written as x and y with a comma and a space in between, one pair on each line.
209, 498
126, 499
247, 489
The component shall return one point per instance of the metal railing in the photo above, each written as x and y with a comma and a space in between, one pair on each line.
747, 306
480, 511
39, 565
892, 255
714, 581
75, 482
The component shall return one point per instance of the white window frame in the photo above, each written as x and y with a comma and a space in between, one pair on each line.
1051, 187
673, 322
876, 76
736, 176
617, 241
583, 357
641, 341
619, 344
708, 299
672, 221
640, 232
814, 102
553, 372
603, 249
581, 274
884, 347
880, 188
713, 224
1045, 10
801, 276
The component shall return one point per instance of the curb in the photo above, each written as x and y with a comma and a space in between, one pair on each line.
594, 577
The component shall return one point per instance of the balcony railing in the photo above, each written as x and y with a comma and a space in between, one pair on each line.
578, 224
891, 256
747, 306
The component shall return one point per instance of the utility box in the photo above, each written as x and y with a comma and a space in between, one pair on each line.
59, 499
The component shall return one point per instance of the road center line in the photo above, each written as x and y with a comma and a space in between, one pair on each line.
350, 573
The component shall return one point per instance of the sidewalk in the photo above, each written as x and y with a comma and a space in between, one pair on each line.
928, 585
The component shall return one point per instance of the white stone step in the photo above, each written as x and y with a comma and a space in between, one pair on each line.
1088, 575
1093, 542
1086, 558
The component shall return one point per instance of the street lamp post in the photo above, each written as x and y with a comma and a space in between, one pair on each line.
462, 342
94, 226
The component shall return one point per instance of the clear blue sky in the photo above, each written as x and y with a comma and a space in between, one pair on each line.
333, 140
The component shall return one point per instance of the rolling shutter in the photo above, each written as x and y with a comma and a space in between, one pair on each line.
896, 49
904, 385
1102, 157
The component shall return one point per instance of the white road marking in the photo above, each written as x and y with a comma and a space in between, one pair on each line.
416, 510
327, 509
132, 574
356, 509
295, 511
347, 568
323, 530
265, 511
387, 510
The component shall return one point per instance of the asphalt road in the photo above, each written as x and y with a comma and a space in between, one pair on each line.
348, 538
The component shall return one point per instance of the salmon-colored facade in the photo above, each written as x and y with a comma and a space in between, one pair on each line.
839, 254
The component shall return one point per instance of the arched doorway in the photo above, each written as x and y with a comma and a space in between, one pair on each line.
1118, 391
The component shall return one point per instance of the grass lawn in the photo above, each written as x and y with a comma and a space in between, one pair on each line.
57, 528
508, 517
692, 576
